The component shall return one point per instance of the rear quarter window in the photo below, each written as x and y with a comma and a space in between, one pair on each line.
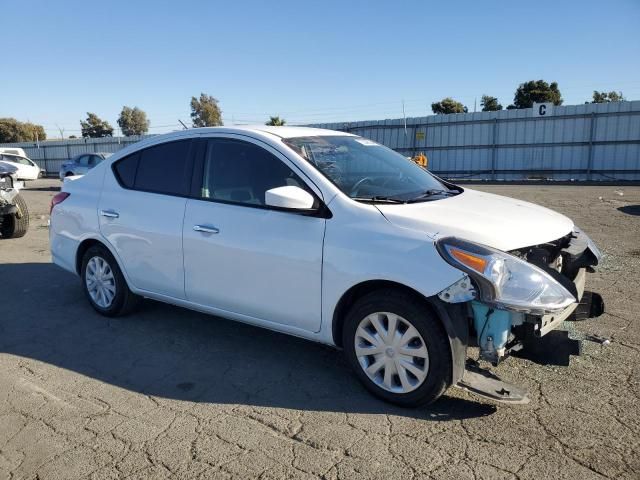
125, 170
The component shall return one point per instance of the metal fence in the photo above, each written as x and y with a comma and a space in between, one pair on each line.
51, 154
575, 142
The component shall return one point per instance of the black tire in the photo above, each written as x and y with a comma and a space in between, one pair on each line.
124, 301
412, 309
16, 225
68, 174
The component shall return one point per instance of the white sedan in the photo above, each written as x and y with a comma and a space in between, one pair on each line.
27, 168
330, 237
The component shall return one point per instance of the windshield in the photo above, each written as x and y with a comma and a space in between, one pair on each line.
368, 171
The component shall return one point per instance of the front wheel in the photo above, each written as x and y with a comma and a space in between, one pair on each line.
104, 285
16, 225
398, 348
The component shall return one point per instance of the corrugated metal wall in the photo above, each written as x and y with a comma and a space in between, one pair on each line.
53, 153
577, 142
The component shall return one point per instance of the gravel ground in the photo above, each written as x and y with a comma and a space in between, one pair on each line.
173, 393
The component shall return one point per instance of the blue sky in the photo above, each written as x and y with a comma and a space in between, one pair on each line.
306, 61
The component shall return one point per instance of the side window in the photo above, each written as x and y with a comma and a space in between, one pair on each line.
158, 169
162, 168
125, 170
83, 160
93, 160
241, 172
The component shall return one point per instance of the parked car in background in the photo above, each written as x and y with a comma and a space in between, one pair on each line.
81, 164
14, 214
27, 169
14, 151
331, 237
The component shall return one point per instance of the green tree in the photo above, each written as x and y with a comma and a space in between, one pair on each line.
536, 91
606, 97
12, 130
490, 104
95, 127
448, 105
133, 121
205, 111
276, 121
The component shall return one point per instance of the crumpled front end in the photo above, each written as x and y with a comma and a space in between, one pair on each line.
567, 260
500, 327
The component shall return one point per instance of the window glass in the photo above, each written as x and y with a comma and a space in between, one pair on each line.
366, 170
83, 160
161, 169
125, 170
242, 172
15, 159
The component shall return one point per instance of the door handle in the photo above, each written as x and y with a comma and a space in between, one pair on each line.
109, 214
205, 229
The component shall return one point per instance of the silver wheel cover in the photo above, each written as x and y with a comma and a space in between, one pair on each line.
100, 282
391, 352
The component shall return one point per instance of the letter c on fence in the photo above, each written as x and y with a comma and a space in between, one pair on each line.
542, 109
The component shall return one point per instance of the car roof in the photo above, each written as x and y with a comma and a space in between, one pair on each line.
102, 154
282, 132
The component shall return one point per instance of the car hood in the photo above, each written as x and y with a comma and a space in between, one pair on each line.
6, 167
499, 222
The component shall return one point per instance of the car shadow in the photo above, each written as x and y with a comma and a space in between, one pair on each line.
630, 209
174, 353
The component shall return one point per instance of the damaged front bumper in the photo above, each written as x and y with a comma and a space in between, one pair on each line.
499, 333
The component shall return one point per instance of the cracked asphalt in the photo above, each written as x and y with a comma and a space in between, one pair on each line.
169, 393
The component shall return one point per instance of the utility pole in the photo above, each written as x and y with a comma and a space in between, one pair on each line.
61, 130
405, 119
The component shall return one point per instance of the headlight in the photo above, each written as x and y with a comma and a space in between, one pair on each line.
504, 280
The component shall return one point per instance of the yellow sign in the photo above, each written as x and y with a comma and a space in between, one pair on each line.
420, 135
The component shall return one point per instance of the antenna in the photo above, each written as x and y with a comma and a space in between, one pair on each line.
182, 123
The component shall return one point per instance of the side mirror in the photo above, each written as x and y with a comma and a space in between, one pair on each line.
290, 197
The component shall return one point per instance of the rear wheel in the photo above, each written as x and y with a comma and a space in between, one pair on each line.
104, 285
16, 224
398, 348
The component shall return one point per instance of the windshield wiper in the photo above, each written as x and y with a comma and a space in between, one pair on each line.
432, 193
378, 199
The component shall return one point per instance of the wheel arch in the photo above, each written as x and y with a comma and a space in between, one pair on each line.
452, 317
82, 249
86, 244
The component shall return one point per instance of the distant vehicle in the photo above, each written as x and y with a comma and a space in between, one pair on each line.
14, 151
81, 164
26, 168
14, 215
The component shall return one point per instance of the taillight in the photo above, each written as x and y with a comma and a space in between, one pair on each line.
58, 198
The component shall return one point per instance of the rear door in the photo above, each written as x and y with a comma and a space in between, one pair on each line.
242, 256
141, 210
